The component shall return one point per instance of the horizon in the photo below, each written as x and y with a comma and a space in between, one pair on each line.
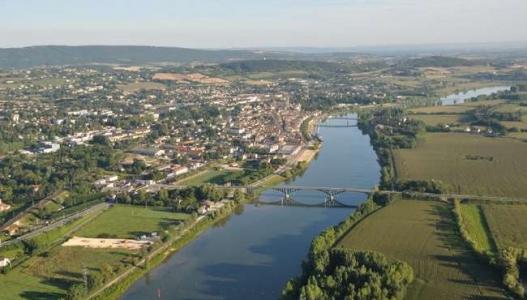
513, 44
237, 24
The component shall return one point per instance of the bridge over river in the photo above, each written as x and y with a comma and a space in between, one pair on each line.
332, 192
330, 199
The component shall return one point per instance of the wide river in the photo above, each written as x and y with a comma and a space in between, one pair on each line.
462, 96
255, 252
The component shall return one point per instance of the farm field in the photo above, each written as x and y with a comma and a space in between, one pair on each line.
498, 167
447, 109
477, 227
508, 224
125, 221
424, 234
522, 136
514, 124
455, 109
510, 108
430, 119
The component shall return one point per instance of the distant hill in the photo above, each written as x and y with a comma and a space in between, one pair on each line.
74, 55
440, 61
274, 65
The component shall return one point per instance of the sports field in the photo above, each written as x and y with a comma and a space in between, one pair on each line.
125, 221
469, 164
207, 176
424, 234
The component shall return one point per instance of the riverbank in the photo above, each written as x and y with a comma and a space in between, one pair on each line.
119, 285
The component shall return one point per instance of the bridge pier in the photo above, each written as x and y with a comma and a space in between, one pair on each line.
287, 192
331, 197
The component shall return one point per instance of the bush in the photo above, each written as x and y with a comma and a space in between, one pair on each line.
76, 292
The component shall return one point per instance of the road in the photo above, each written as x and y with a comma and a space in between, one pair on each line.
21, 214
94, 209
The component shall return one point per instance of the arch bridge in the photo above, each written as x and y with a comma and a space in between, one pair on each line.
330, 199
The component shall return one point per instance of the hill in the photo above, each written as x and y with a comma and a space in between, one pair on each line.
274, 65
28, 57
440, 61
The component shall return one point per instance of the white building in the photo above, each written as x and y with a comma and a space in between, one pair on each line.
4, 262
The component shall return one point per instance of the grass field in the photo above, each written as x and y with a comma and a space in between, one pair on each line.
429, 119
522, 136
126, 221
508, 224
424, 234
476, 225
48, 277
443, 156
208, 176
454, 109
511, 107
512, 124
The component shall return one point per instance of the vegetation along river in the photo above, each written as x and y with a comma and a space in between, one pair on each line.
254, 253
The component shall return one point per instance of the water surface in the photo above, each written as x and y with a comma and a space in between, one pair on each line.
460, 98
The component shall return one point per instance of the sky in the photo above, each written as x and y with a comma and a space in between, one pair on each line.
261, 23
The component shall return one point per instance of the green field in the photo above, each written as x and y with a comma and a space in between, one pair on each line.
508, 224
455, 109
443, 156
476, 225
48, 277
447, 109
424, 234
126, 221
514, 124
208, 176
430, 119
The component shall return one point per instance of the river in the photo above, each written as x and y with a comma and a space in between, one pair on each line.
461, 97
255, 252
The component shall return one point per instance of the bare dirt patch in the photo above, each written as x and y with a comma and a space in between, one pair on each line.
105, 243
307, 155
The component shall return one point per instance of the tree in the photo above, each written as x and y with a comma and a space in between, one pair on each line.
76, 292
101, 140
95, 279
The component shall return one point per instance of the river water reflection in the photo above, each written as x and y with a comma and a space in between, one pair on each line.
253, 253
460, 98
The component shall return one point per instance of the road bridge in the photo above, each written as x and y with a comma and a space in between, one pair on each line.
331, 193
336, 125
342, 118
